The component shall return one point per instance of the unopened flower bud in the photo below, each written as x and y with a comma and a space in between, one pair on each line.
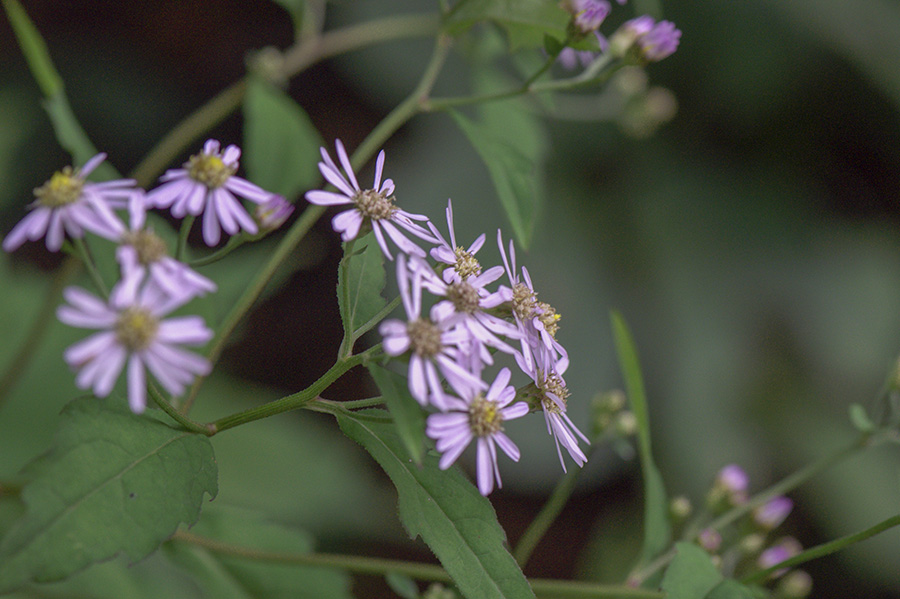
680, 508
273, 213
587, 15
795, 585
626, 423
643, 40
752, 544
784, 548
730, 487
773, 512
709, 539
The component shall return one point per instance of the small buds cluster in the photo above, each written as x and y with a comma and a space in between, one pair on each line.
450, 346
133, 331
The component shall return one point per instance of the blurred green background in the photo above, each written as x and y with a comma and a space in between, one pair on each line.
751, 243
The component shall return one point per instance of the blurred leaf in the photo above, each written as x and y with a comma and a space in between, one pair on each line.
512, 173
860, 419
281, 145
34, 49
228, 576
365, 279
691, 574
115, 483
657, 530
402, 585
732, 589
525, 21
405, 410
457, 523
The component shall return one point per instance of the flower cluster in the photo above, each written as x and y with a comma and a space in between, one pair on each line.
451, 344
133, 333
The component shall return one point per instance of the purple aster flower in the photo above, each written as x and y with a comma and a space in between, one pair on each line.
587, 15
463, 261
730, 486
140, 249
773, 512
374, 206
133, 335
67, 203
432, 344
644, 40
536, 321
273, 213
570, 58
710, 539
207, 183
478, 416
549, 389
784, 548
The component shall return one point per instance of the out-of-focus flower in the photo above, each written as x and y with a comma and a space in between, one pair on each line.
643, 40
478, 416
67, 203
729, 488
587, 15
463, 261
773, 512
273, 213
207, 183
133, 334
373, 206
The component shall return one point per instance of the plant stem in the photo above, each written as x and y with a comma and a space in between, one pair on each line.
542, 587
823, 549
187, 423
183, 232
85, 255
296, 400
370, 324
39, 328
300, 57
233, 243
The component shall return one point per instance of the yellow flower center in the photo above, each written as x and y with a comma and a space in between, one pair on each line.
209, 170
464, 297
466, 264
63, 188
374, 205
424, 337
149, 246
485, 418
554, 385
136, 328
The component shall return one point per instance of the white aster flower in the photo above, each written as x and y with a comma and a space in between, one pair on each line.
133, 335
67, 203
142, 250
462, 260
374, 206
478, 416
207, 183
432, 344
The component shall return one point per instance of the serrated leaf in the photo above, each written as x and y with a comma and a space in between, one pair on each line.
446, 510
526, 21
281, 145
512, 173
657, 529
230, 576
691, 575
114, 483
364, 279
406, 411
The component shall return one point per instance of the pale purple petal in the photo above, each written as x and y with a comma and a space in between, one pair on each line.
137, 385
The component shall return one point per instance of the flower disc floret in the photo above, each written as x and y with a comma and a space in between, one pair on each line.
374, 205
136, 328
209, 169
149, 246
424, 337
63, 188
466, 265
485, 417
554, 392
549, 317
465, 297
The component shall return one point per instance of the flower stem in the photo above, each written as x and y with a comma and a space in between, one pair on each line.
824, 549
39, 328
233, 244
563, 589
187, 423
84, 254
183, 233
296, 400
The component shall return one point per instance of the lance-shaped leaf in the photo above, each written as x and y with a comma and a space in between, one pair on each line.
408, 416
114, 483
446, 510
360, 282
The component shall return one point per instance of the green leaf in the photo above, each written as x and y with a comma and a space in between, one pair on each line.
406, 411
512, 173
732, 589
657, 530
457, 523
281, 145
526, 21
360, 282
860, 419
230, 576
691, 575
34, 49
402, 585
114, 483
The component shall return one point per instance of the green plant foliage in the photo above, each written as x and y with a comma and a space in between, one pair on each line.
512, 173
526, 22
227, 576
403, 586
114, 483
281, 145
446, 510
657, 530
732, 589
406, 411
364, 280
691, 575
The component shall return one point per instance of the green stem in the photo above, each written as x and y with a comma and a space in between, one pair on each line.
296, 400
370, 324
823, 549
563, 589
355, 404
183, 232
541, 523
300, 57
187, 423
346, 347
233, 244
39, 328
91, 268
